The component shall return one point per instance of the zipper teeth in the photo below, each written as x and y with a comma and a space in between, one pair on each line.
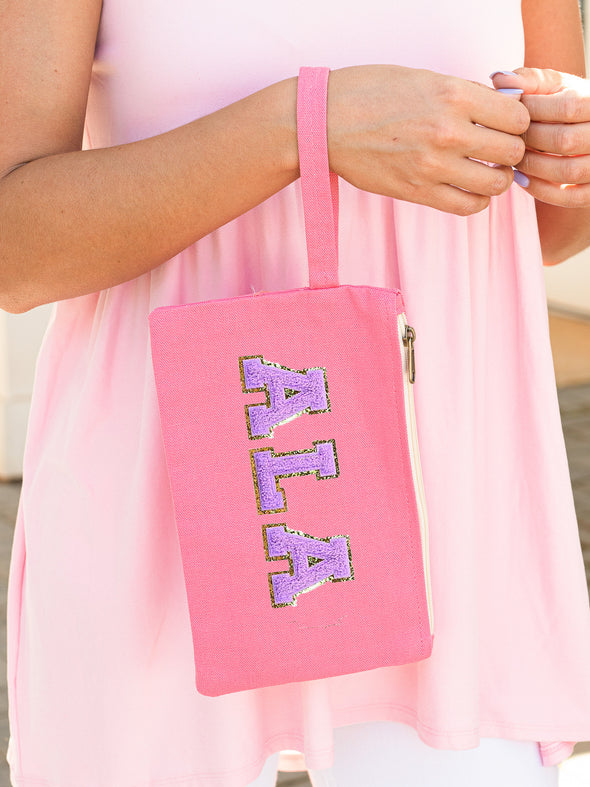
415, 462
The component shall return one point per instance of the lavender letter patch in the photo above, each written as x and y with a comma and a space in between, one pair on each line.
268, 468
312, 562
289, 393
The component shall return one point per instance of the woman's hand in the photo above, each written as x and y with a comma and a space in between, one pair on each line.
557, 159
422, 137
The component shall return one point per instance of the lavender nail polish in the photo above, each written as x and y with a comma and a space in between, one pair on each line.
521, 178
510, 91
505, 73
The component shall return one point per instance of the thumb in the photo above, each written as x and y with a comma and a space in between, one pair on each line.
532, 80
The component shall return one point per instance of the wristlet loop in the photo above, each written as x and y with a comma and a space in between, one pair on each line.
319, 187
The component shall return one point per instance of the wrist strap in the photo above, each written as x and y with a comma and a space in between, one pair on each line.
319, 187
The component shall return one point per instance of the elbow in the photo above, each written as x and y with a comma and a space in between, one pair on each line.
21, 287
563, 232
18, 292
554, 253
557, 256
18, 299
14, 306
20, 302
550, 261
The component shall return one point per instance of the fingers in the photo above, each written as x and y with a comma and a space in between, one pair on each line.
563, 195
498, 111
559, 138
481, 124
478, 178
557, 169
549, 96
556, 165
497, 148
482, 105
471, 185
567, 106
530, 80
453, 200
470, 141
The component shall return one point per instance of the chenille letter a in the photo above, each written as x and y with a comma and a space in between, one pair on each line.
289, 393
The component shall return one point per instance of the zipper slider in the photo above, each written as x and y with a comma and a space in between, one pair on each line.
409, 339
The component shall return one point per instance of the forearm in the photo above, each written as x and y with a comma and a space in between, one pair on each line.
563, 231
79, 222
553, 40
74, 223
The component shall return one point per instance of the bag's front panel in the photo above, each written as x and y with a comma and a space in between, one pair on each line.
285, 434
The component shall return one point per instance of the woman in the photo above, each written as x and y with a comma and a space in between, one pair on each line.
167, 209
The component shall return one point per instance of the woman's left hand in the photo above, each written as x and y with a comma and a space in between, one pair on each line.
557, 159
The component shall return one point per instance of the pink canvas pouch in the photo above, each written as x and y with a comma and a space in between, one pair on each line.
290, 441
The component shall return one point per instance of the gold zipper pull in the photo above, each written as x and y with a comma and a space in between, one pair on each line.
409, 339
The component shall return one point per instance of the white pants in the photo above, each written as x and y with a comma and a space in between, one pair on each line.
386, 754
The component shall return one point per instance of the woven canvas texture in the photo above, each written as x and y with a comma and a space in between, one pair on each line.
284, 427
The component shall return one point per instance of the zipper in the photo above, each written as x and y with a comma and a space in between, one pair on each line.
407, 337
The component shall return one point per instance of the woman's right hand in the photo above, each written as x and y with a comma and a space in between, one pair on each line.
416, 135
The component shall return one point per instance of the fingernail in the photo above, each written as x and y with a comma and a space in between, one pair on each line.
521, 179
505, 73
510, 91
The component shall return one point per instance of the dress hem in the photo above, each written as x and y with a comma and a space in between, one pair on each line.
552, 752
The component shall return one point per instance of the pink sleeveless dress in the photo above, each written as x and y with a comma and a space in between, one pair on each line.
100, 659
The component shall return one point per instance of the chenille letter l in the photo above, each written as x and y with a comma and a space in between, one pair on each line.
268, 468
